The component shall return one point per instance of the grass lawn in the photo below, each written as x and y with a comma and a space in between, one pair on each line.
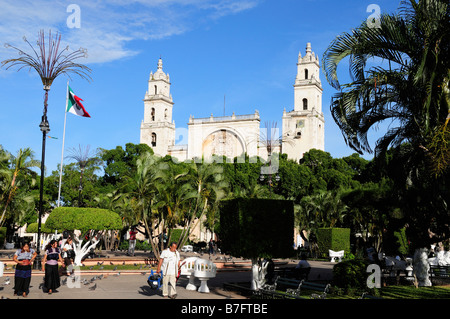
404, 292
408, 292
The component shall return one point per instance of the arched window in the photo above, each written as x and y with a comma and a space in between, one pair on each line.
165, 114
153, 114
153, 139
305, 104
156, 90
306, 74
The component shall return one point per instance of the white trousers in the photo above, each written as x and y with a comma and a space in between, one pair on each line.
169, 285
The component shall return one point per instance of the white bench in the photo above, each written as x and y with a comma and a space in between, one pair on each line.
336, 254
187, 269
204, 270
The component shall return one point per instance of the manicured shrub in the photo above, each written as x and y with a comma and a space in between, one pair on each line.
333, 238
350, 274
257, 228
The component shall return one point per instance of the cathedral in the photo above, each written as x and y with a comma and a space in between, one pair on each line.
235, 135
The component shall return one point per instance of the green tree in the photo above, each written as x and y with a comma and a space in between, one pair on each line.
92, 222
120, 164
409, 88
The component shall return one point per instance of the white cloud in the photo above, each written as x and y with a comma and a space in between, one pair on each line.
107, 27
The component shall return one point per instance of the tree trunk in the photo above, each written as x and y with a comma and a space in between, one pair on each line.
421, 267
82, 250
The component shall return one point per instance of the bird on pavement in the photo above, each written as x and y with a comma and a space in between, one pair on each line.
93, 287
118, 274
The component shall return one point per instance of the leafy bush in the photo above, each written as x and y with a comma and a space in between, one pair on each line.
257, 228
350, 274
333, 238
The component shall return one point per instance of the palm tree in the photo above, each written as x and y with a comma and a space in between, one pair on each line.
83, 158
207, 180
49, 62
409, 87
21, 166
149, 170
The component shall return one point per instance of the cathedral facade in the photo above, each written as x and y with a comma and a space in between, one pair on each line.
235, 135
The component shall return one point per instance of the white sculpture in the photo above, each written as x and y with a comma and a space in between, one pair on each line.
204, 270
187, 269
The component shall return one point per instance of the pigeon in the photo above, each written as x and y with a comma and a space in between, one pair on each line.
123, 263
118, 274
86, 282
143, 273
111, 263
93, 287
64, 281
100, 277
7, 281
92, 267
115, 268
93, 278
101, 268
135, 265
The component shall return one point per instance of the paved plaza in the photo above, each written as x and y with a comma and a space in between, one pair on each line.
133, 284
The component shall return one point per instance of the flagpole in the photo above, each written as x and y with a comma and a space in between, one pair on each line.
64, 137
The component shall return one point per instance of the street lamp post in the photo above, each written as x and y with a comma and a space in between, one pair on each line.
277, 179
49, 62
45, 128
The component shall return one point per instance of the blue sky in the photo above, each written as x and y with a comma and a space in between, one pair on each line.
244, 50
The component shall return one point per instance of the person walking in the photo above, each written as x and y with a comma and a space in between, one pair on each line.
68, 254
24, 257
132, 241
50, 266
169, 262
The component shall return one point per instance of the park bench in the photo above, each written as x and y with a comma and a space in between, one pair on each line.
336, 254
438, 272
204, 270
187, 269
282, 283
321, 288
293, 272
293, 288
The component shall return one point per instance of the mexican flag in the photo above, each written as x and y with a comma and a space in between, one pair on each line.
74, 104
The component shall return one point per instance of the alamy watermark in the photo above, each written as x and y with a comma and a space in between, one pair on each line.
373, 20
74, 19
374, 279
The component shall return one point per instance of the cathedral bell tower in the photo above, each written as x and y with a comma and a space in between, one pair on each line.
303, 127
157, 128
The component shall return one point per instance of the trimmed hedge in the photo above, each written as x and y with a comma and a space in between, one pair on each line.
83, 218
33, 228
252, 228
333, 238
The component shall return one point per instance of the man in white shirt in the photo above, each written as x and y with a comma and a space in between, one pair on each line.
169, 263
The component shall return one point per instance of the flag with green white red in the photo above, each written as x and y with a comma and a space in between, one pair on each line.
74, 104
